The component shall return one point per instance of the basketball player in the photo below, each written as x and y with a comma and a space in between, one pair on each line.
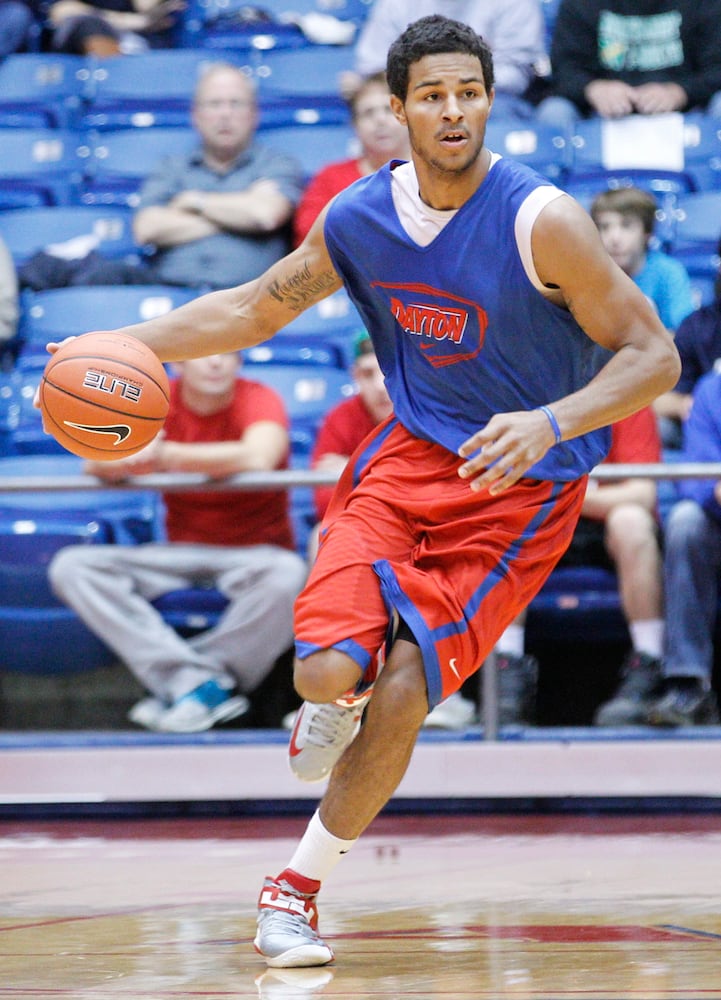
507, 337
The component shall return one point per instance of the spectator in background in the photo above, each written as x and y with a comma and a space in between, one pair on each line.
107, 28
698, 339
626, 219
618, 526
8, 296
618, 529
16, 20
613, 58
692, 565
237, 542
514, 30
220, 215
381, 138
346, 424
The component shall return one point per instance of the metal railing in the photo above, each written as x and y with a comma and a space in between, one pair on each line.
289, 479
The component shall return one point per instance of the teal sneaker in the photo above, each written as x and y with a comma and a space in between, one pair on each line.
201, 709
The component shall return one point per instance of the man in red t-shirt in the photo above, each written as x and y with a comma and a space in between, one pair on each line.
619, 529
345, 426
237, 542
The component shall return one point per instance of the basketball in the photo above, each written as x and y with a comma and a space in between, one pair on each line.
104, 396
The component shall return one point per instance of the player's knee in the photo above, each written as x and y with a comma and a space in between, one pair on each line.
325, 675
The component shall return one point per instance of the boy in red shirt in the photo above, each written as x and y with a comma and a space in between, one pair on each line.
235, 541
345, 426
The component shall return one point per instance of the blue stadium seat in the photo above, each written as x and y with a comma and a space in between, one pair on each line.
550, 12
232, 24
302, 516
334, 320
697, 225
48, 641
591, 170
149, 89
27, 230
288, 350
308, 391
132, 516
329, 328
121, 160
65, 312
348, 10
27, 545
541, 147
593, 151
696, 241
313, 146
40, 166
703, 276
235, 25
702, 150
301, 86
27, 436
39, 635
9, 410
191, 610
41, 90
580, 603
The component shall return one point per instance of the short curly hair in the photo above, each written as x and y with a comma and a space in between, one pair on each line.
434, 35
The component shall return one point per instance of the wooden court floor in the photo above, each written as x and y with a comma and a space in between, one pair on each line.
562, 907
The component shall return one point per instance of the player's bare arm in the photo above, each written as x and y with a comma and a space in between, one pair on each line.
568, 255
612, 311
235, 318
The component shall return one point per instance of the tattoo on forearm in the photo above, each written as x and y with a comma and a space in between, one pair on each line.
301, 288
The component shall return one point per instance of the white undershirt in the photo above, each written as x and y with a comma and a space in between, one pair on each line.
423, 223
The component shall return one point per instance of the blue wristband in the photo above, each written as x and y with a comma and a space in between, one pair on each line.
552, 421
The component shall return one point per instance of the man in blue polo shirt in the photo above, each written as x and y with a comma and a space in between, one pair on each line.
218, 216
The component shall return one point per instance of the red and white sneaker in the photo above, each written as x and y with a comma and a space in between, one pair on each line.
321, 734
323, 731
287, 934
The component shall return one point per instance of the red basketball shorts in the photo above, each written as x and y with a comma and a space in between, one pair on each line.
403, 531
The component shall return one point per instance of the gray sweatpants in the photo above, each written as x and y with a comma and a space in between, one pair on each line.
110, 588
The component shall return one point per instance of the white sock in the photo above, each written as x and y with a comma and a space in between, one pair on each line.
647, 636
512, 641
319, 851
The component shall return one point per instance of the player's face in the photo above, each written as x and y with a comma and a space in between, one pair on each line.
446, 110
624, 238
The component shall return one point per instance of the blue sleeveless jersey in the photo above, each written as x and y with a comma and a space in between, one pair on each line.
459, 330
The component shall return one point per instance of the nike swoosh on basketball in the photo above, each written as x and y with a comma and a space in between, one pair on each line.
121, 431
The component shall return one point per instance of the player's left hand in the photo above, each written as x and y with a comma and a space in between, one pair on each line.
51, 348
501, 452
